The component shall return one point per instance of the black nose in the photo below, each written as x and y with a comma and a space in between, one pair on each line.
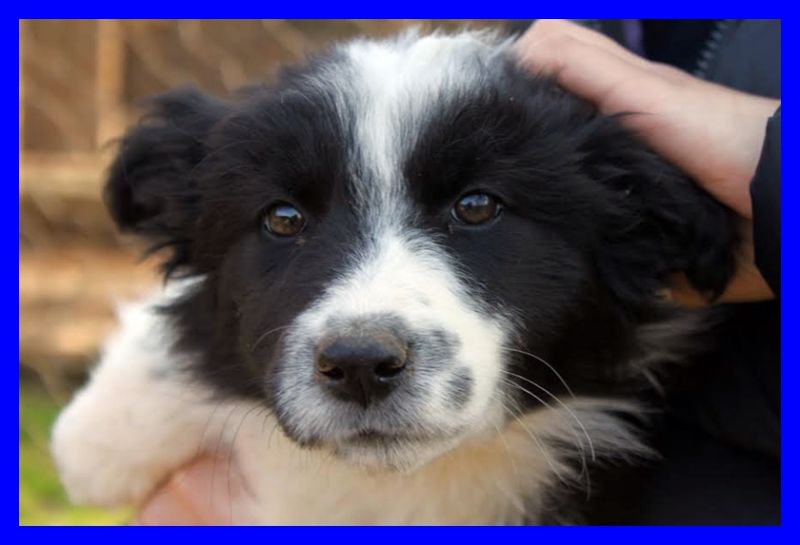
363, 369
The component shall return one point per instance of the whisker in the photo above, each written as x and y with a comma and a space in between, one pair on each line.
564, 405
216, 457
264, 412
264, 336
264, 421
517, 414
205, 429
651, 378
578, 442
230, 460
505, 443
275, 426
513, 499
546, 363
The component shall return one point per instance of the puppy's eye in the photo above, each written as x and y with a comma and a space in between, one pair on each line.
284, 220
476, 208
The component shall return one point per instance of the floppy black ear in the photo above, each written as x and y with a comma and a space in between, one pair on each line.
151, 188
658, 222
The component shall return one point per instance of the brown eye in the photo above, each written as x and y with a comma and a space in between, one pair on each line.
284, 220
476, 208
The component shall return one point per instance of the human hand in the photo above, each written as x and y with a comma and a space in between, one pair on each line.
713, 133
207, 492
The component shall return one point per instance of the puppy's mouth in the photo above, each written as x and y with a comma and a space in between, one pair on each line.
371, 437
374, 438
381, 450
377, 438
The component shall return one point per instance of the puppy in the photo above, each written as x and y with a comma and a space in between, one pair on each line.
409, 283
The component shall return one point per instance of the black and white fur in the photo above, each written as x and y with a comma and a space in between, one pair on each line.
528, 336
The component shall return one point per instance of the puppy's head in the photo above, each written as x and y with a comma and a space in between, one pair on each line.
404, 244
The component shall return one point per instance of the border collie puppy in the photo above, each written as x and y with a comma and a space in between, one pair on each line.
417, 285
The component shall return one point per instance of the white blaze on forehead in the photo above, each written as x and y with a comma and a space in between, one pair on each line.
396, 84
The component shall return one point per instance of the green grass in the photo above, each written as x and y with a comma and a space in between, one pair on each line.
42, 500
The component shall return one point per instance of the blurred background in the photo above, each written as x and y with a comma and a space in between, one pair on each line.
80, 81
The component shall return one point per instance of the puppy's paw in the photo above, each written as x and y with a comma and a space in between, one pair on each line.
99, 462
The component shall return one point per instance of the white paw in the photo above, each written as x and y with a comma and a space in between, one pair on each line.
98, 466
136, 420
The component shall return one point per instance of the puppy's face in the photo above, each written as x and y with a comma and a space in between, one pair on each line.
405, 244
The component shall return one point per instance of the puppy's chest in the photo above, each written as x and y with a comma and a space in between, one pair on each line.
497, 481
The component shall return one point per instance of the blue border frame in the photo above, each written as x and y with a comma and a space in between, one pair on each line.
419, 9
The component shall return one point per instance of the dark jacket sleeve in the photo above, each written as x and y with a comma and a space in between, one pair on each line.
765, 192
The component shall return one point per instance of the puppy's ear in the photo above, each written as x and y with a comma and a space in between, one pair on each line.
151, 188
658, 220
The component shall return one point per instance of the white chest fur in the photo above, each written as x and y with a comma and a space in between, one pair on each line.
497, 480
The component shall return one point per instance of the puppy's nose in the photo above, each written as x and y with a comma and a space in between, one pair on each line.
363, 369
